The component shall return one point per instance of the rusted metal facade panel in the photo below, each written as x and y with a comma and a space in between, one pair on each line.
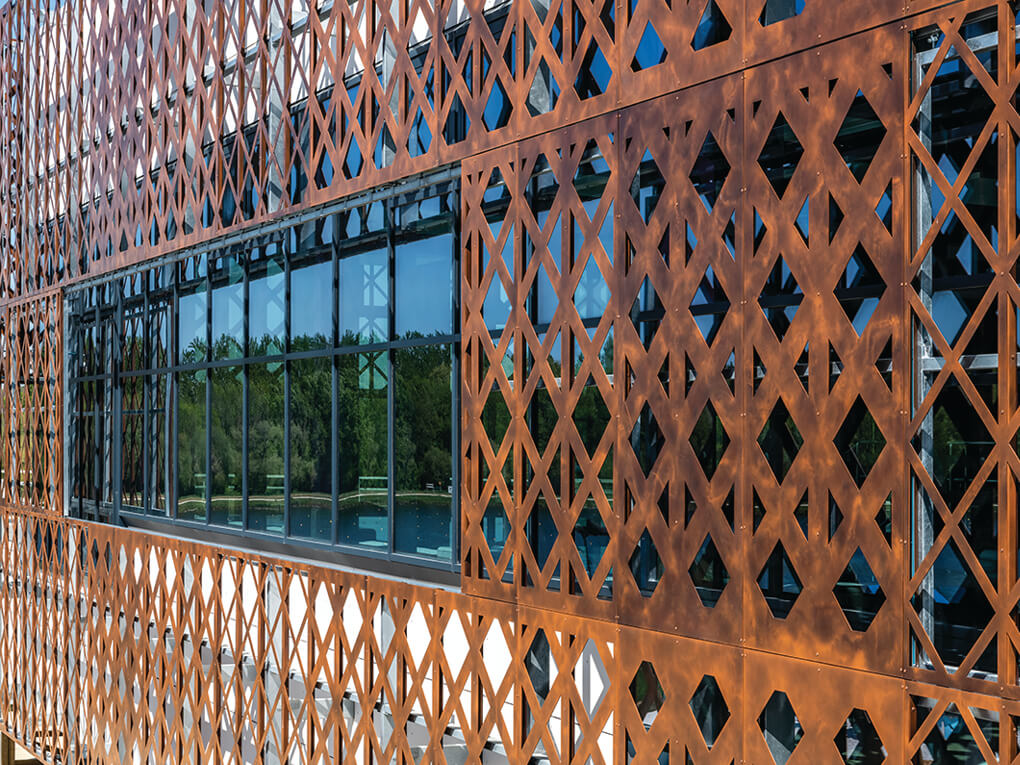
173, 665
127, 150
723, 348
812, 237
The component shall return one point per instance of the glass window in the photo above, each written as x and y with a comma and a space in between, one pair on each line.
84, 450
227, 307
955, 497
424, 285
158, 318
132, 441
192, 340
278, 413
159, 446
191, 466
423, 265
311, 304
311, 448
267, 303
225, 434
423, 458
364, 298
266, 474
362, 439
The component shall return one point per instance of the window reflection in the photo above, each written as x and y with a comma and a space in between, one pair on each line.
311, 312
424, 285
158, 439
266, 480
311, 484
423, 264
192, 339
423, 450
956, 505
364, 298
225, 456
132, 444
191, 468
266, 304
254, 384
227, 278
363, 491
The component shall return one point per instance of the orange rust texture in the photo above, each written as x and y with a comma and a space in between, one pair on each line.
178, 649
121, 646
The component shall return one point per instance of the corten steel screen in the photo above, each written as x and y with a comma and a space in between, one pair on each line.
738, 464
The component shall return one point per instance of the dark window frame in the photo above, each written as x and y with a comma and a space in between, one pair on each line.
100, 308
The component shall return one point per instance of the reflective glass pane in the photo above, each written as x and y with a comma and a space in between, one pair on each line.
311, 485
591, 297
225, 420
363, 492
424, 287
364, 298
132, 441
84, 456
266, 305
191, 472
265, 447
950, 123
132, 351
158, 435
84, 441
191, 323
542, 192
160, 311
311, 305
227, 278
423, 451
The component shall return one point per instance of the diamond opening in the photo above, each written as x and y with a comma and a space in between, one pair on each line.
710, 172
709, 440
779, 583
860, 442
780, 440
860, 136
709, 305
709, 574
710, 709
780, 155
858, 742
780, 726
858, 593
646, 565
780, 298
647, 693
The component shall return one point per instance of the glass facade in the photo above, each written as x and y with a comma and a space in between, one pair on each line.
956, 497
299, 384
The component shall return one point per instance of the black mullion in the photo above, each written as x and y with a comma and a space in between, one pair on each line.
146, 380
244, 398
455, 403
172, 398
391, 473
335, 390
388, 210
531, 305
286, 243
99, 396
208, 392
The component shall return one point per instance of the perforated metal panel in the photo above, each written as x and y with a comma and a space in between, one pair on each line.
739, 380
